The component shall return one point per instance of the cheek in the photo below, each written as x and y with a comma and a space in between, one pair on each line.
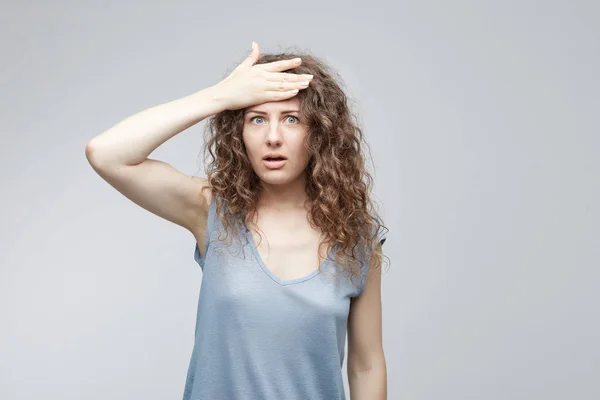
300, 150
249, 143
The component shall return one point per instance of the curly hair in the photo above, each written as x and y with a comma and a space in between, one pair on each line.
338, 185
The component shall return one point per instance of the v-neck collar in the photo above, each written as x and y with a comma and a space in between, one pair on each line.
270, 273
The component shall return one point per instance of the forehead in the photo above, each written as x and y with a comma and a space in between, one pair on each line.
276, 106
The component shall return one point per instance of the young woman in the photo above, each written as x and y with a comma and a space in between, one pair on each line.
287, 167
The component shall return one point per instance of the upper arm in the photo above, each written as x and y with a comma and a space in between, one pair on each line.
161, 189
365, 319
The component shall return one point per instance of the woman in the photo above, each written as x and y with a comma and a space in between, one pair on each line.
287, 167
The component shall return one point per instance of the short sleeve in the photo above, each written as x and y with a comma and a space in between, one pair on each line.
381, 238
382, 235
209, 228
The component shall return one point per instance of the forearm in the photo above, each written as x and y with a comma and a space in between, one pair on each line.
133, 139
369, 384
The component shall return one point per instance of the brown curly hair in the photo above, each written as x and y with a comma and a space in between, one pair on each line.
338, 185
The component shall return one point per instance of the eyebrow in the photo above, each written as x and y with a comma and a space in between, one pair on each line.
264, 113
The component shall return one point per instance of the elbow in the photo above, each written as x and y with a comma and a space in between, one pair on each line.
91, 154
97, 158
368, 382
375, 362
89, 151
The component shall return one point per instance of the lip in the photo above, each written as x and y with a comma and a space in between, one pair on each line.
274, 155
274, 164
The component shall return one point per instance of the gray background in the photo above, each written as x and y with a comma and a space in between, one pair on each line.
482, 120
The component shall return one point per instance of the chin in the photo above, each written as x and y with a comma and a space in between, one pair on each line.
275, 178
278, 176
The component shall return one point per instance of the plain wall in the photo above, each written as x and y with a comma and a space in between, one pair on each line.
482, 119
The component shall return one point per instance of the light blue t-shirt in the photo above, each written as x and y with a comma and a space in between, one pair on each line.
262, 338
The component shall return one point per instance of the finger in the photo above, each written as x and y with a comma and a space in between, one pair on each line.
276, 95
287, 77
252, 57
286, 86
281, 65
255, 53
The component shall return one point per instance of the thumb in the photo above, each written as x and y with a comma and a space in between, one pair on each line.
253, 56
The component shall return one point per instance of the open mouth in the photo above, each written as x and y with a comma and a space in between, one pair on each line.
274, 162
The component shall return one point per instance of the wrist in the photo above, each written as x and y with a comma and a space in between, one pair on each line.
210, 100
216, 95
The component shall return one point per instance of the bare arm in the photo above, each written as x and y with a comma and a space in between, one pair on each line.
130, 141
367, 372
120, 156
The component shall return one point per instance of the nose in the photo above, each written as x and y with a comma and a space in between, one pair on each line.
274, 137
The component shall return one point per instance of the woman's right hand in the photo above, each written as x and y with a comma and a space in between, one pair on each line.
251, 84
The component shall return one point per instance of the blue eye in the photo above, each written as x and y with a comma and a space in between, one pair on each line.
289, 116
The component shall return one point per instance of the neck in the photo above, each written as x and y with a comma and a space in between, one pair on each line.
284, 196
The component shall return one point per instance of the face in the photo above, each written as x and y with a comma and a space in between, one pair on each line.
275, 127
